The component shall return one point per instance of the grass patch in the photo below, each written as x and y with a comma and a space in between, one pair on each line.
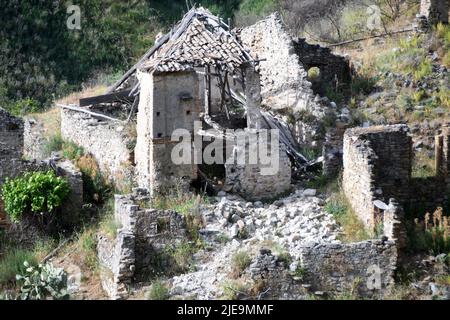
86, 247
235, 289
54, 143
11, 264
423, 165
108, 224
323, 183
240, 261
158, 291
353, 228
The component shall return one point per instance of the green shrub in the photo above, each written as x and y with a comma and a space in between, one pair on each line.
240, 261
54, 143
11, 264
86, 246
43, 281
38, 192
23, 107
72, 151
158, 291
313, 73
182, 255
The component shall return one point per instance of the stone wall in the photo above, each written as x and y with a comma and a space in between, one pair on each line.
107, 142
34, 140
377, 166
249, 178
143, 234
284, 84
11, 143
12, 165
435, 10
332, 151
367, 266
335, 70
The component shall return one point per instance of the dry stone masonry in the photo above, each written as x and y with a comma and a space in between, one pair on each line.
11, 143
435, 11
377, 176
109, 143
34, 140
142, 235
284, 82
249, 179
366, 266
377, 166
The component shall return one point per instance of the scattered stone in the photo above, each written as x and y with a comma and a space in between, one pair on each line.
310, 192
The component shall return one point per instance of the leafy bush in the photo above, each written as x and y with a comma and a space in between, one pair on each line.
11, 264
38, 192
43, 281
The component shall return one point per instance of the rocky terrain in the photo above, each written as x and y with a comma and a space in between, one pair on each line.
234, 225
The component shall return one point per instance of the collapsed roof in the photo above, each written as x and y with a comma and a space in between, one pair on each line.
200, 39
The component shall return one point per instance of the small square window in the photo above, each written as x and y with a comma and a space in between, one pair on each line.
159, 135
188, 112
158, 114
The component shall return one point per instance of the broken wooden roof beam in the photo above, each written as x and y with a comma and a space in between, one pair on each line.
93, 114
107, 98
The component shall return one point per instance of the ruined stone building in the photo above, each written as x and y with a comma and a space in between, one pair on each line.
377, 177
250, 79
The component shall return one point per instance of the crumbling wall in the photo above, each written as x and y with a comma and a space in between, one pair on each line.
270, 270
167, 102
284, 84
142, 235
11, 143
116, 258
34, 140
332, 151
367, 266
253, 178
107, 142
435, 10
377, 166
335, 71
